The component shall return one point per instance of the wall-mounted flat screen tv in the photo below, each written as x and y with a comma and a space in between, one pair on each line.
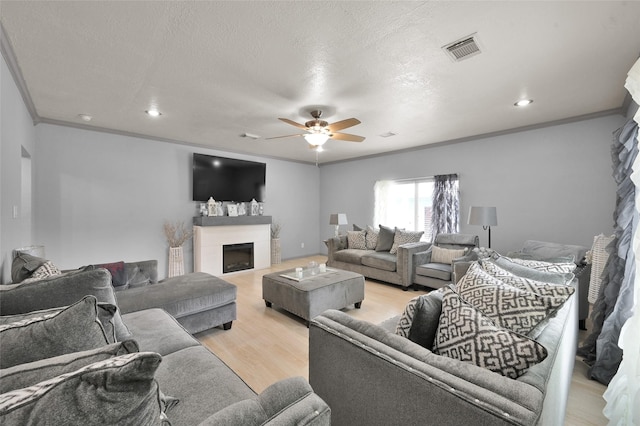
227, 179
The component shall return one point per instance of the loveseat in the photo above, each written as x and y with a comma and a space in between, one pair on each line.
138, 368
385, 256
370, 375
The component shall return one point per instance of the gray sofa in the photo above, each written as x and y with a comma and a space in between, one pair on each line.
379, 265
372, 376
208, 391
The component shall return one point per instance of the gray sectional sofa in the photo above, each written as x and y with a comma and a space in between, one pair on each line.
175, 379
370, 375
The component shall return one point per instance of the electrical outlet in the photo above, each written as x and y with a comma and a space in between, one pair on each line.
301, 245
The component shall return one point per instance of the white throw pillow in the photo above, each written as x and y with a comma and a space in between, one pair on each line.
446, 256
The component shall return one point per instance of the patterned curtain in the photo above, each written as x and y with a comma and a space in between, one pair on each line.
445, 216
615, 299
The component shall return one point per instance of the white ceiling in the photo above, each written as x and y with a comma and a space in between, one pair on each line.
218, 69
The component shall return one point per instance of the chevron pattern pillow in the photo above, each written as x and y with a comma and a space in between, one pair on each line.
539, 287
467, 335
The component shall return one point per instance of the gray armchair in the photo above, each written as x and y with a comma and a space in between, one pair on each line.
434, 274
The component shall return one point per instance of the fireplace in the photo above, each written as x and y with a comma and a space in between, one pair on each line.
237, 257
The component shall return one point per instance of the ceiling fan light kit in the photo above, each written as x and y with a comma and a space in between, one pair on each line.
319, 131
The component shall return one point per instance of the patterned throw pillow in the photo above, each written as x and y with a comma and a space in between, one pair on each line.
509, 307
539, 265
356, 240
406, 319
446, 256
371, 238
467, 335
539, 287
119, 390
404, 237
47, 269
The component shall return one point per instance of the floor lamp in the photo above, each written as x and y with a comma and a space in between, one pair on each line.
485, 216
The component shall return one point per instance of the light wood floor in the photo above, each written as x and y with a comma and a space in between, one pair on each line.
269, 344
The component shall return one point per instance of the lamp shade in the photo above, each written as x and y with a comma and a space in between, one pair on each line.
338, 219
485, 216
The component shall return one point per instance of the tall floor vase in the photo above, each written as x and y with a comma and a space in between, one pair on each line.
176, 261
276, 252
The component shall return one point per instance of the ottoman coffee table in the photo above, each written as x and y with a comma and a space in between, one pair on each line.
310, 295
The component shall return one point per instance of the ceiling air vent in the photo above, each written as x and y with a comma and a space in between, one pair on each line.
463, 48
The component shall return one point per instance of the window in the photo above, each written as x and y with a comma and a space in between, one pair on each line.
406, 204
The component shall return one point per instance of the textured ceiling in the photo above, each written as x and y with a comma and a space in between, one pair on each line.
217, 70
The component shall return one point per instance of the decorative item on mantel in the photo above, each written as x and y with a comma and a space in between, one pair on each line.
254, 207
276, 251
177, 235
211, 207
242, 209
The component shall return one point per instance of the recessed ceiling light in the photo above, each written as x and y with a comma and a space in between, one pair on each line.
85, 117
153, 112
523, 102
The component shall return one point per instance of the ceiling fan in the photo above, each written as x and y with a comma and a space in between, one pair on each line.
319, 131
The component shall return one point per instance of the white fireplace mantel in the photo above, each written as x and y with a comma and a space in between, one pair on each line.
209, 239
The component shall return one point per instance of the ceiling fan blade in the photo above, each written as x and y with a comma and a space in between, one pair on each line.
293, 123
347, 137
285, 136
339, 125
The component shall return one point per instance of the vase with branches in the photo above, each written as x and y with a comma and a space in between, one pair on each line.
177, 234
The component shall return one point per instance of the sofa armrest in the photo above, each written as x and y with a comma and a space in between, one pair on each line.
287, 402
405, 260
335, 244
370, 376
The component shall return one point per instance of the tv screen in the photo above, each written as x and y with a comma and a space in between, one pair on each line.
227, 179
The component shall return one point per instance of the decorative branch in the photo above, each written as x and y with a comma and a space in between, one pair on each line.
275, 230
177, 234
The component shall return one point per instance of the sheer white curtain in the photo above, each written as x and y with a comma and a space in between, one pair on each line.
623, 393
381, 191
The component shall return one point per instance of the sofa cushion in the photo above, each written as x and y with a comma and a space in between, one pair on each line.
137, 278
509, 307
30, 373
371, 238
542, 250
116, 391
467, 335
380, 260
444, 255
385, 238
24, 265
117, 271
439, 271
75, 328
62, 290
404, 237
351, 255
356, 240
419, 322
524, 272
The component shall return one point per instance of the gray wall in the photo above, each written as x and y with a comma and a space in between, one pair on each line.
551, 184
16, 134
103, 197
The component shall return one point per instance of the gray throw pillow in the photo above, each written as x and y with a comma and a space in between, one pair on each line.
106, 312
31, 373
24, 265
385, 238
425, 320
116, 391
62, 290
76, 328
